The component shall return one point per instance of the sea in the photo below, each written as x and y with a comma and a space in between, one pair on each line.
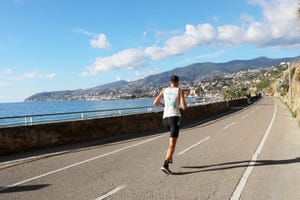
11, 110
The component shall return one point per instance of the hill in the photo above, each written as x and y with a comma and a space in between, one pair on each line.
148, 86
200, 71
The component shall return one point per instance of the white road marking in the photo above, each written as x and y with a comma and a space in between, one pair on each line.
111, 192
76, 164
244, 116
186, 150
226, 127
251, 112
32, 158
240, 187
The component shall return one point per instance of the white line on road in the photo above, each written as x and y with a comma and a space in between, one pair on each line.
226, 127
240, 187
76, 164
186, 150
258, 107
111, 192
250, 112
244, 116
32, 158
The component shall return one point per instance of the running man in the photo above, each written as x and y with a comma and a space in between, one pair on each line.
173, 97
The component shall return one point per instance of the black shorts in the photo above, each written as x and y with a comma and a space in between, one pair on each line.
173, 125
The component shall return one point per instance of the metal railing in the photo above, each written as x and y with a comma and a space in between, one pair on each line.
27, 120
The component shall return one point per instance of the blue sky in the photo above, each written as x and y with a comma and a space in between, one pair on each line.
53, 45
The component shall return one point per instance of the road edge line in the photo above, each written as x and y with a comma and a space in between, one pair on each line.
240, 187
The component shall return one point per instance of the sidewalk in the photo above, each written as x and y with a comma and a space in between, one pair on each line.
277, 175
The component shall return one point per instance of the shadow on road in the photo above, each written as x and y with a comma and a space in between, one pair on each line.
22, 188
237, 164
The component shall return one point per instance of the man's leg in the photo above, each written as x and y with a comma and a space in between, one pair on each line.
174, 132
171, 149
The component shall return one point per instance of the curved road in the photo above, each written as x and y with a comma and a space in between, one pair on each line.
253, 153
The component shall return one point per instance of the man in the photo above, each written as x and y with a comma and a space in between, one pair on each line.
173, 97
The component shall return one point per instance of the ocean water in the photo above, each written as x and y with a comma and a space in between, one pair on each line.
50, 107
53, 107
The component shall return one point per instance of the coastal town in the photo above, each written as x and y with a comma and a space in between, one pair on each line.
245, 82
212, 88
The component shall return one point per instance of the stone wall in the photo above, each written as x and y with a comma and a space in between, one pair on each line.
26, 138
294, 90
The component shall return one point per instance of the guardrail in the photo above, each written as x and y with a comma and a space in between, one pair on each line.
27, 120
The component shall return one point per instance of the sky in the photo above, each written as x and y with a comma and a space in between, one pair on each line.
53, 45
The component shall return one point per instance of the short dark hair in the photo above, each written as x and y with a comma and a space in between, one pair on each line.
174, 79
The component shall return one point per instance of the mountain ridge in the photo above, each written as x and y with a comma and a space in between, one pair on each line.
190, 73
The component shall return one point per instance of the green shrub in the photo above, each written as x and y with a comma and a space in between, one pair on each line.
294, 114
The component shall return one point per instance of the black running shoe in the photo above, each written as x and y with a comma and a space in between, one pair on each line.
166, 170
165, 167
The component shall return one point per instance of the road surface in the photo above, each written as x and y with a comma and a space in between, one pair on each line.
253, 153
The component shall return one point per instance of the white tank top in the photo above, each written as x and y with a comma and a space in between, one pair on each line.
171, 98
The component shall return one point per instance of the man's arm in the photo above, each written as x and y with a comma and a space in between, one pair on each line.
182, 99
158, 98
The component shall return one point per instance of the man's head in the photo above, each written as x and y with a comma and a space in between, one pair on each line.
174, 80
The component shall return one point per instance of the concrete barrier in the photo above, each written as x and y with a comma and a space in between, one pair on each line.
26, 138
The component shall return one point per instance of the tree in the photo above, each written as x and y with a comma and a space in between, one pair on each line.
234, 93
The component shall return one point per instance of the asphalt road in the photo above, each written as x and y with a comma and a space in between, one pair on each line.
253, 153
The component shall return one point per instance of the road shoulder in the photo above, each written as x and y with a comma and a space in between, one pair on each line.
276, 174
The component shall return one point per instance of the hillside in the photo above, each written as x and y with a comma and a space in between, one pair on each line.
200, 71
148, 86
290, 94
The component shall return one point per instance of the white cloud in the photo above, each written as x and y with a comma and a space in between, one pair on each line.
246, 18
100, 41
280, 23
8, 72
52, 75
163, 34
36, 74
130, 58
5, 84
30, 75
118, 78
82, 31
230, 34
192, 37
278, 28
10, 79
